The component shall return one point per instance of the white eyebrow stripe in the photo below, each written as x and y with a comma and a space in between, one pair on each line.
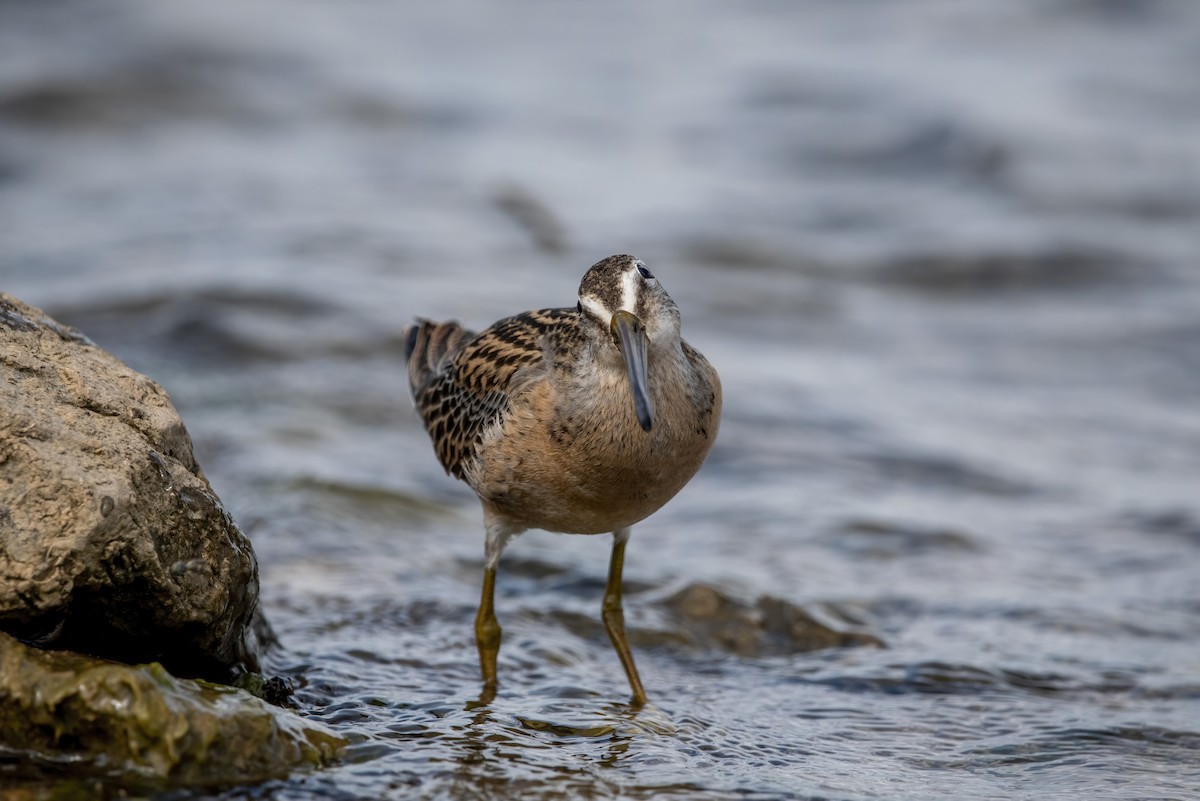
596, 308
629, 291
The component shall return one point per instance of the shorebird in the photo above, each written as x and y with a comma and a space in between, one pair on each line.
581, 420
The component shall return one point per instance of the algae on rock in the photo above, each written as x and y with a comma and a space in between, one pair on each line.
65, 713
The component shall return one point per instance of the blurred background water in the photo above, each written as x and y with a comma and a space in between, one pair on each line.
943, 255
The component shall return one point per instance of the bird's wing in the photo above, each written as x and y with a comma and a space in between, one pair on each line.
464, 385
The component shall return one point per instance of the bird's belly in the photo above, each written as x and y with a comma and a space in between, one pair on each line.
579, 484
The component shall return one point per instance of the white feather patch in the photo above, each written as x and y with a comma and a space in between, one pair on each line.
629, 290
596, 308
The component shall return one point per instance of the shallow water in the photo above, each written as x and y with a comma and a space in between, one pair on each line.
944, 258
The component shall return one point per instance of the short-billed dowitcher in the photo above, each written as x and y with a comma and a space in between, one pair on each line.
579, 420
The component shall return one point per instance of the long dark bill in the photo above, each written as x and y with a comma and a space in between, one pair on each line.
634, 346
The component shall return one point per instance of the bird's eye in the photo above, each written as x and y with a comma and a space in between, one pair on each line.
645, 273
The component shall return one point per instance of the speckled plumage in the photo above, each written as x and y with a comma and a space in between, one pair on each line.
582, 421
462, 382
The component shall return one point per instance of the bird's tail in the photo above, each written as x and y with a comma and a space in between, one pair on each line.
429, 347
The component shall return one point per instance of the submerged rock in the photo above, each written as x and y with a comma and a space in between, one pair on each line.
112, 542
769, 626
73, 715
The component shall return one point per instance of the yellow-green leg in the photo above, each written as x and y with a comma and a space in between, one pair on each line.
487, 628
487, 631
614, 616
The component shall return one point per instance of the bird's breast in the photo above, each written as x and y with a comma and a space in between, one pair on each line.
570, 455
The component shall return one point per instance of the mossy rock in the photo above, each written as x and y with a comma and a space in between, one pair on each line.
73, 716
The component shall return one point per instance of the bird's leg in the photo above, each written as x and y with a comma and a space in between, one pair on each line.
614, 615
487, 628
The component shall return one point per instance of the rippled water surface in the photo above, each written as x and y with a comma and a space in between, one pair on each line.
944, 256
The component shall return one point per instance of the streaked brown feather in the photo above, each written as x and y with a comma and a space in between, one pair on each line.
462, 383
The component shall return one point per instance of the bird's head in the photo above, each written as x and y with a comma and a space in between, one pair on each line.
622, 306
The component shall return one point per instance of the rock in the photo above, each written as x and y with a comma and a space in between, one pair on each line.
112, 542
139, 728
771, 626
